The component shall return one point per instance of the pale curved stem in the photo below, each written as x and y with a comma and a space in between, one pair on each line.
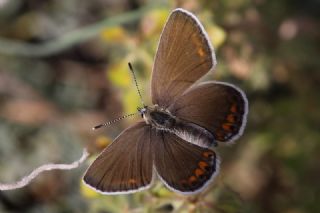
47, 167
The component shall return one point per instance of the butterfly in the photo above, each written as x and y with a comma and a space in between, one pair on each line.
175, 139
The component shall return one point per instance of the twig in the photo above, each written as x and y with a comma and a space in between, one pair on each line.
47, 167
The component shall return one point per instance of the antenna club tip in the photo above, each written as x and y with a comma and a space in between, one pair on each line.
130, 66
97, 127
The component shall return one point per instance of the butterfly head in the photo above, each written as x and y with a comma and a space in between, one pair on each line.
142, 110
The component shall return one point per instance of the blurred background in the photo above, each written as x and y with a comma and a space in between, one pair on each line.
63, 69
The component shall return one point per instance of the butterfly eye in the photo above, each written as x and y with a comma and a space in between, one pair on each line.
142, 111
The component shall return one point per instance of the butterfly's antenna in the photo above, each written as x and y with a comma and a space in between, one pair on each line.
135, 81
125, 116
113, 121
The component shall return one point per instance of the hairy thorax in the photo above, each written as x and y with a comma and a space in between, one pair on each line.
163, 120
159, 117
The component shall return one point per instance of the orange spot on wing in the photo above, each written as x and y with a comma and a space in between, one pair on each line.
201, 52
227, 127
231, 118
132, 181
207, 154
220, 136
234, 108
203, 165
199, 172
192, 180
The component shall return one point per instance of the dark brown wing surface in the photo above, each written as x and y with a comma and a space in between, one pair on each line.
219, 107
126, 165
184, 55
183, 167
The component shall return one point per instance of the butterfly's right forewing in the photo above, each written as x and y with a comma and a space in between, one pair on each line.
184, 55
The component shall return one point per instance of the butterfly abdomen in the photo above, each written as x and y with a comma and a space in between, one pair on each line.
194, 133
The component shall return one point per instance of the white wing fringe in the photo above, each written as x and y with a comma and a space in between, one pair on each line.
47, 167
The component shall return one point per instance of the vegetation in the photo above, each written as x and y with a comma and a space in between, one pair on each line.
63, 70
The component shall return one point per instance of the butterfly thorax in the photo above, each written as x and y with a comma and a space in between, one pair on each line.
158, 117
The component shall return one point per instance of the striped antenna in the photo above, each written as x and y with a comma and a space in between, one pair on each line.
135, 81
125, 116
113, 121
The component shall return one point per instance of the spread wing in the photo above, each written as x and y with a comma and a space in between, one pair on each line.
218, 107
183, 167
184, 55
126, 165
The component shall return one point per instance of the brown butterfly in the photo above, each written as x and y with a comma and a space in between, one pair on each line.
175, 138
